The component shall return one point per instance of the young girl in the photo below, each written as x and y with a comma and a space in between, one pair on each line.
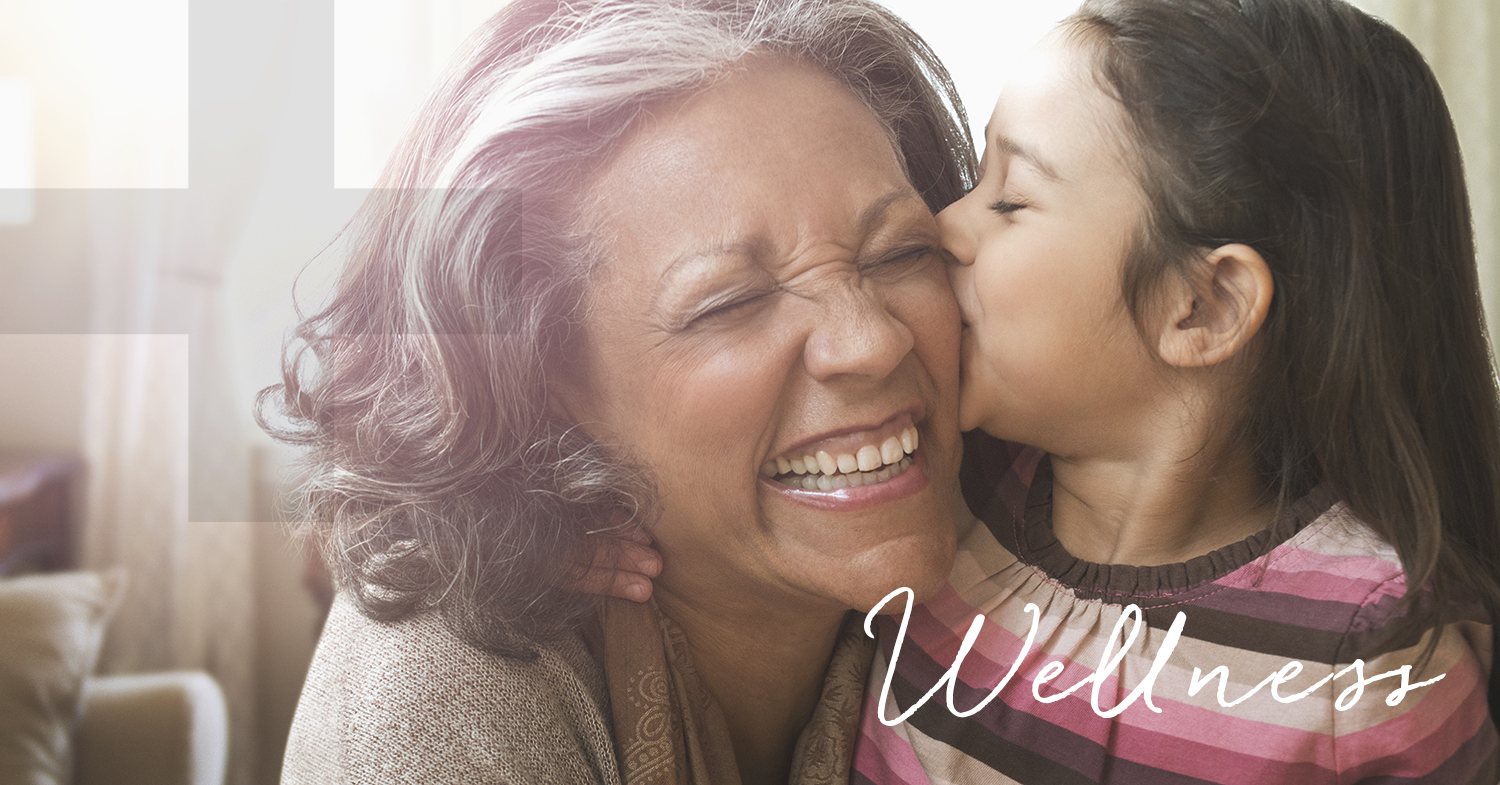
1219, 270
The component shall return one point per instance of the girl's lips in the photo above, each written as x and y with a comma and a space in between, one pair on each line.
908, 483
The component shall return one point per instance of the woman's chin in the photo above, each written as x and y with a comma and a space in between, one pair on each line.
922, 565
856, 554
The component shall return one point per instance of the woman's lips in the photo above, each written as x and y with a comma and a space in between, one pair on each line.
855, 449
855, 479
876, 461
901, 484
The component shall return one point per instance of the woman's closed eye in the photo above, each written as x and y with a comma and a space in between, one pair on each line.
729, 308
899, 259
735, 306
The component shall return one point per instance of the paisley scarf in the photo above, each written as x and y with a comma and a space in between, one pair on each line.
670, 731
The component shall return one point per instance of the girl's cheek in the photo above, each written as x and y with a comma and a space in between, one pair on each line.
986, 282
962, 279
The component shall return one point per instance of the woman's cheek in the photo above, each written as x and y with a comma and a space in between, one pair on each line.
933, 318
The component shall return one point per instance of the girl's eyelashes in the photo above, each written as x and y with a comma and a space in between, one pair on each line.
1006, 208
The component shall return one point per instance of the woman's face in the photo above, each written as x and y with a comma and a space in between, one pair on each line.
1051, 356
772, 291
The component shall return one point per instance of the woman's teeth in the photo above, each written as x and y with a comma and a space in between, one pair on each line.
870, 464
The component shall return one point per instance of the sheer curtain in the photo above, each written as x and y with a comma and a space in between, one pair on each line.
190, 595
165, 433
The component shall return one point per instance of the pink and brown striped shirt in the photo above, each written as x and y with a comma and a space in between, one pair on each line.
1318, 588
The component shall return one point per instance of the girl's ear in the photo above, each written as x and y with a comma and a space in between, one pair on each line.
1211, 317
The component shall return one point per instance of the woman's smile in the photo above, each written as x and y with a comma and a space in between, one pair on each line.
846, 455
852, 469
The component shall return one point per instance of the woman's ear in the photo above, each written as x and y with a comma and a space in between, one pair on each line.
1214, 314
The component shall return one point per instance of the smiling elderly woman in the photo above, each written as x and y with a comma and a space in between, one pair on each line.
662, 266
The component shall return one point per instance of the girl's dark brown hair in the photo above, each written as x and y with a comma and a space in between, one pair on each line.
1317, 135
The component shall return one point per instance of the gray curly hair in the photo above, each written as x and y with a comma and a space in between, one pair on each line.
438, 474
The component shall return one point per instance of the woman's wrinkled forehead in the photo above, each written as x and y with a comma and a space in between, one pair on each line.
722, 165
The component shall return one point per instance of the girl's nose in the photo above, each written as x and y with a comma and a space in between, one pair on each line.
954, 228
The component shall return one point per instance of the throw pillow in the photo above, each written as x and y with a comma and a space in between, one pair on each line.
51, 627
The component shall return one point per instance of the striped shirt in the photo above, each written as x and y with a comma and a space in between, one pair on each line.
1318, 588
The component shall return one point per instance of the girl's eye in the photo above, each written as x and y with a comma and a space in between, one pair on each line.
1006, 208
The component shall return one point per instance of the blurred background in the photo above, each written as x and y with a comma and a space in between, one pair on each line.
171, 169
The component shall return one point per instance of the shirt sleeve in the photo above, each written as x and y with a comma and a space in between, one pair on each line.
1391, 727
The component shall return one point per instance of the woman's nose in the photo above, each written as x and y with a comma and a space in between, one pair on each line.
856, 336
958, 241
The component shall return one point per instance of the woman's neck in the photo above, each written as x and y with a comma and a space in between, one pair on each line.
765, 670
1177, 499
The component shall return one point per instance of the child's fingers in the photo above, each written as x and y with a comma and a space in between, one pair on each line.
618, 567
612, 583
639, 558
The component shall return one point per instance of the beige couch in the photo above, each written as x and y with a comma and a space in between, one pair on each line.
168, 728
60, 723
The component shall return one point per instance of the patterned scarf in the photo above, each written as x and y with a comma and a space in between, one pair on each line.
670, 731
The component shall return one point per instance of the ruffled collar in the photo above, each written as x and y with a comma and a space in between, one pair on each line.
1036, 544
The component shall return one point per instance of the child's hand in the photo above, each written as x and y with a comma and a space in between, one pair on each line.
620, 566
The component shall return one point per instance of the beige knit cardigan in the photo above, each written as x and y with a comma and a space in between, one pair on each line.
410, 703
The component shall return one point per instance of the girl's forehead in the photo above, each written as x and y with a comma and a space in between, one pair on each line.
1054, 115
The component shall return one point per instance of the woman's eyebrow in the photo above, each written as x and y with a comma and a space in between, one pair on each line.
871, 217
688, 260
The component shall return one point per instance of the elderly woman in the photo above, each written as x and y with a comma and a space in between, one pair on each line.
643, 267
